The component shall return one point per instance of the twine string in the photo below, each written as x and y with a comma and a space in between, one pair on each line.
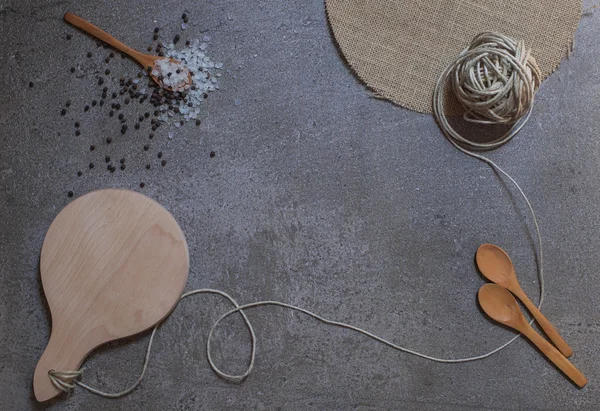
495, 79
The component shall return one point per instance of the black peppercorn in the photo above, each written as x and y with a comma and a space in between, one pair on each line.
142, 185
101, 103
122, 161
151, 136
187, 43
79, 174
147, 166
122, 166
86, 108
89, 54
111, 55
114, 95
146, 147
107, 60
155, 37
92, 147
91, 165
111, 113
121, 116
77, 132
156, 29
107, 159
70, 194
77, 124
63, 112
107, 72
69, 36
127, 100
159, 155
100, 81
94, 102
163, 163
183, 16
108, 140
137, 126
72, 69
212, 154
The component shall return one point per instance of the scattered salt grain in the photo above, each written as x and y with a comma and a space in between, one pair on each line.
237, 101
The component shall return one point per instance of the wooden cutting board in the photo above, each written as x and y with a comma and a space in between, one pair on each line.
113, 263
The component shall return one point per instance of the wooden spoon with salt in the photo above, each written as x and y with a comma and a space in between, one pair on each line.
146, 60
113, 263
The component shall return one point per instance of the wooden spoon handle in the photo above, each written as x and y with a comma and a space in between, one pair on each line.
555, 356
548, 328
100, 34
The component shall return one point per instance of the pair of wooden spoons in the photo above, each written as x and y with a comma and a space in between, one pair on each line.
498, 303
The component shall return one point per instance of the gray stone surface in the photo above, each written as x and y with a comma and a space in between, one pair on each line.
318, 196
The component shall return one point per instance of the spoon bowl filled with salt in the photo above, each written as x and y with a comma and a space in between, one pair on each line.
168, 73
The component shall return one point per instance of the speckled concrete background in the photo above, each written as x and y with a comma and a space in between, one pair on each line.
319, 196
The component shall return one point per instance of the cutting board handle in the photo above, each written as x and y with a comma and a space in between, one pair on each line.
60, 356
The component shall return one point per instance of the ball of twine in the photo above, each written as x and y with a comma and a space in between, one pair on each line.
495, 80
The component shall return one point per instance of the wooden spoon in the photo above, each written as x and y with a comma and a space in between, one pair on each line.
496, 266
501, 306
146, 60
113, 263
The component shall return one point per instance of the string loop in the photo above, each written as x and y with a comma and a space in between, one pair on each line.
495, 80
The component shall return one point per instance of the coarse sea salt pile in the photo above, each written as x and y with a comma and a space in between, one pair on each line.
173, 75
204, 77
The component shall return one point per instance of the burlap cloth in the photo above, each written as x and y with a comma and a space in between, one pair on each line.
399, 48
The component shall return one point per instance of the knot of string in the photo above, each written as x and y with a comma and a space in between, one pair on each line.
495, 80
64, 380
